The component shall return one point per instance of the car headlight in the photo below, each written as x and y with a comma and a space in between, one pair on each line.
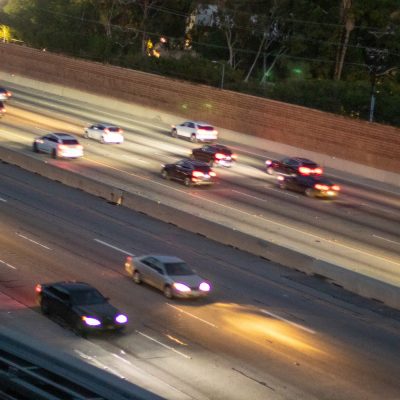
204, 287
121, 319
181, 287
91, 321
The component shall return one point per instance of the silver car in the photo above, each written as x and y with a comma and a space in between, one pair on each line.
195, 131
105, 133
58, 145
167, 273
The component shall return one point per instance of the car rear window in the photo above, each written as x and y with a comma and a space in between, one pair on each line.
206, 127
309, 165
203, 168
113, 129
70, 141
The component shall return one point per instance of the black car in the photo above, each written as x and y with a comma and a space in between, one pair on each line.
293, 166
190, 172
216, 154
79, 305
310, 185
2, 109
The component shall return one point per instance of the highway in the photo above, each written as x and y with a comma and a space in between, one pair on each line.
266, 332
360, 230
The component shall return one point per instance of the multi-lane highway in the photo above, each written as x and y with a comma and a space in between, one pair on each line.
265, 333
360, 230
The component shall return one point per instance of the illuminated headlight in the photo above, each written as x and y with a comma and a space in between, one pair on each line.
181, 287
121, 319
204, 287
91, 321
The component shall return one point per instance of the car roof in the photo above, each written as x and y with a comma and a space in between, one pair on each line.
197, 163
303, 160
72, 286
63, 135
164, 258
106, 124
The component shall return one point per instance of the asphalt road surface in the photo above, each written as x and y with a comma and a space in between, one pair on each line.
360, 230
266, 332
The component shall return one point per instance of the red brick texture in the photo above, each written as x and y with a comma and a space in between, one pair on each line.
362, 142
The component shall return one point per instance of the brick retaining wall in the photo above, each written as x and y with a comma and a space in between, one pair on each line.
371, 144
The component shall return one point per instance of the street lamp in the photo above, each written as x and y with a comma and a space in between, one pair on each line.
222, 72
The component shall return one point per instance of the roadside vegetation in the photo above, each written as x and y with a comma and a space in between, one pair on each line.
340, 56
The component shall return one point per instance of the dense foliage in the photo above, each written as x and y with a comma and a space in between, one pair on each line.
327, 54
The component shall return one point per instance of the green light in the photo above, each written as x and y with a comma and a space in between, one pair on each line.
297, 70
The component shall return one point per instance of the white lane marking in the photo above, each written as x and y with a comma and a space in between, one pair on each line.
121, 358
288, 321
3, 200
281, 191
191, 315
136, 159
33, 241
205, 199
96, 362
258, 198
164, 345
113, 247
388, 240
7, 264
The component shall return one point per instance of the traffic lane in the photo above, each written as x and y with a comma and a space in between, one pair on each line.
251, 329
384, 242
213, 312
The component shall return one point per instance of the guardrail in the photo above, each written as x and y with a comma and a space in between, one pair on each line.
29, 372
363, 285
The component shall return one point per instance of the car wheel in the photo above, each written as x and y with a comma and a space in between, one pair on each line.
168, 292
35, 148
282, 185
309, 192
44, 307
137, 278
165, 174
86, 135
102, 140
187, 182
173, 133
54, 153
270, 171
193, 138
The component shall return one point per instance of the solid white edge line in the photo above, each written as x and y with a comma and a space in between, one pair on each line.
113, 247
191, 315
3, 200
388, 240
164, 345
121, 358
33, 241
7, 264
288, 321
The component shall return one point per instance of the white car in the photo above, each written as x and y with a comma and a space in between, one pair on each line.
169, 274
105, 133
195, 131
4, 94
58, 145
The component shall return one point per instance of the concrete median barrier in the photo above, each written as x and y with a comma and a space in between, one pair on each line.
350, 280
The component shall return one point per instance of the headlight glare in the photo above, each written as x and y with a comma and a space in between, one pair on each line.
181, 287
91, 321
121, 319
204, 287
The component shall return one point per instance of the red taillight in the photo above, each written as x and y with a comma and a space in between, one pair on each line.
106, 130
317, 171
234, 156
336, 187
318, 186
219, 156
197, 174
8, 94
212, 173
38, 288
120, 130
304, 170
62, 147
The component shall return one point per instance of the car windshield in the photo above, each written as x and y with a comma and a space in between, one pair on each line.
86, 297
206, 127
70, 141
178, 268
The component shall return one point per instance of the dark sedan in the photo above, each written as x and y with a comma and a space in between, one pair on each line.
190, 172
310, 185
79, 305
293, 166
216, 154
